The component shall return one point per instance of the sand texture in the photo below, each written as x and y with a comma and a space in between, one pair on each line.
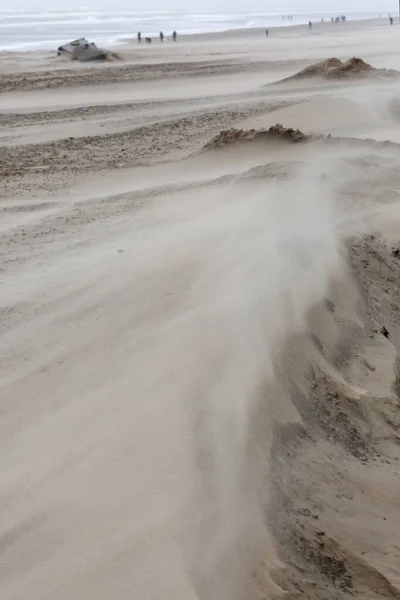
200, 319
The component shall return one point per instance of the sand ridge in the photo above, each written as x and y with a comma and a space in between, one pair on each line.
334, 68
232, 136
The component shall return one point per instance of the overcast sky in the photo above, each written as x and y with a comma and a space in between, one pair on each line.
266, 5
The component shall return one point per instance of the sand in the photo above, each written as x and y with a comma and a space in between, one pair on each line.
333, 68
201, 321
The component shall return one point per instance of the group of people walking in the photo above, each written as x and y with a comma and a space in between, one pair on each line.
148, 39
288, 17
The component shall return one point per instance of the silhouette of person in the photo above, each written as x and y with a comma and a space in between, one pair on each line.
161, 36
139, 37
174, 36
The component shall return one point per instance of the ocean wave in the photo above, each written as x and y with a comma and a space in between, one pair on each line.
87, 20
77, 22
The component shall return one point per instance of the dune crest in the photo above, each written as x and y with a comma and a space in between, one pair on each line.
333, 68
232, 136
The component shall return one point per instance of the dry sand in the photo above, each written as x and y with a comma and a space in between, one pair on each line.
200, 331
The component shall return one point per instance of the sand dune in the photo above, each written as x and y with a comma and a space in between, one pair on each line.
200, 326
333, 68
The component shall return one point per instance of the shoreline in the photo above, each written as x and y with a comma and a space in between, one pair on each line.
288, 30
318, 26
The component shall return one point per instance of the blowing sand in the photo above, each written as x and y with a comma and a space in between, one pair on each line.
200, 330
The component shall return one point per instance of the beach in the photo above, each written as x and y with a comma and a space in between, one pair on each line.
44, 25
200, 331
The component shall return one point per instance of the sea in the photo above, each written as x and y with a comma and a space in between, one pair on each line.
50, 26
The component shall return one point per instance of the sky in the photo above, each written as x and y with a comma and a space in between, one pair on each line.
283, 5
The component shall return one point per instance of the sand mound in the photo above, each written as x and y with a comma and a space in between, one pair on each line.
320, 68
353, 66
232, 136
333, 68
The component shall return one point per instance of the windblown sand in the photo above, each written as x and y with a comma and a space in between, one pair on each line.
201, 321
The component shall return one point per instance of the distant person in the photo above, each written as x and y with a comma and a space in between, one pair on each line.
161, 36
174, 36
139, 37
332, 19
309, 25
391, 20
267, 32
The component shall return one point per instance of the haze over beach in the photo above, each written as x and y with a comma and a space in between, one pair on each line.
200, 303
26, 26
